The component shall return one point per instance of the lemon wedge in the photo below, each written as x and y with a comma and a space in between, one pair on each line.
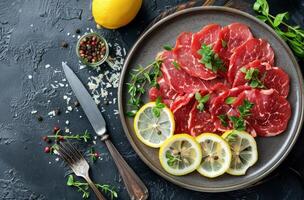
153, 130
216, 155
180, 155
244, 151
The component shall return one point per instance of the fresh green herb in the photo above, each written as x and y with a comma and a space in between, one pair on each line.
244, 110
223, 118
230, 100
176, 65
238, 123
58, 136
167, 47
293, 35
172, 160
252, 76
139, 78
158, 107
232, 137
84, 188
201, 100
224, 43
210, 59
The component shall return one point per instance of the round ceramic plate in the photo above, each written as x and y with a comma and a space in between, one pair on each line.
272, 150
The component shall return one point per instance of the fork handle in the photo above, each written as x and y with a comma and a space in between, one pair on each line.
94, 188
135, 187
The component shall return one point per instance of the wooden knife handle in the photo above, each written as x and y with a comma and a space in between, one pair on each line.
135, 187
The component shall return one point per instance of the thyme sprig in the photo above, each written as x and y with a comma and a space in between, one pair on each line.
139, 78
293, 35
84, 188
58, 136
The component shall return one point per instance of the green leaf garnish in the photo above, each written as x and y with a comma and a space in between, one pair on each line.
172, 159
176, 65
158, 107
230, 100
210, 59
167, 47
201, 100
293, 35
223, 118
238, 123
252, 76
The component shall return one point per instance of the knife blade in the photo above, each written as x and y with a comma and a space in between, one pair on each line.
86, 101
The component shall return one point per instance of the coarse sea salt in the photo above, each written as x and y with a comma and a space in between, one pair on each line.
47, 66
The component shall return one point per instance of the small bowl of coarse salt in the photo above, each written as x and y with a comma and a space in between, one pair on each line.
92, 50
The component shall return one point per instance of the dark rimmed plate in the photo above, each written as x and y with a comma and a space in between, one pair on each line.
272, 151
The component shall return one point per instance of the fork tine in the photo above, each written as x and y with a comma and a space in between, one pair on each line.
208, 2
75, 150
62, 152
69, 152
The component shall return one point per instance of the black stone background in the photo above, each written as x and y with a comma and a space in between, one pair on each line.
25, 169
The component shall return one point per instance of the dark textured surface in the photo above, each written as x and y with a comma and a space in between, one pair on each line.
25, 50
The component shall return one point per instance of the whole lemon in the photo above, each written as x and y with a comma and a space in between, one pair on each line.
113, 14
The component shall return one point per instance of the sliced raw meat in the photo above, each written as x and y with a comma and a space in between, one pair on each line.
180, 101
253, 49
187, 61
220, 108
181, 116
207, 35
201, 121
271, 77
270, 113
165, 92
230, 38
178, 79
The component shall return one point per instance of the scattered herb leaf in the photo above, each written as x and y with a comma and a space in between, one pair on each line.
84, 188
167, 47
139, 78
293, 35
223, 118
238, 123
224, 43
230, 100
201, 100
210, 59
158, 107
252, 76
244, 110
172, 159
176, 65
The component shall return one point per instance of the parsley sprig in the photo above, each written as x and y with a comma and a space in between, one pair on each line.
139, 78
201, 100
252, 76
293, 35
84, 188
158, 107
210, 59
238, 121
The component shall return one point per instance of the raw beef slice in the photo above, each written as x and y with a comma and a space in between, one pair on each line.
230, 38
207, 35
270, 113
187, 61
271, 77
178, 79
253, 49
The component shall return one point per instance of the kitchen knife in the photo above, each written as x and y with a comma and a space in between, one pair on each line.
135, 187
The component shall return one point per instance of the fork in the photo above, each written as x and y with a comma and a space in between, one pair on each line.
78, 164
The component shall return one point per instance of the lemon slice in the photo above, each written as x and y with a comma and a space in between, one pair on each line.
180, 155
244, 151
152, 130
216, 155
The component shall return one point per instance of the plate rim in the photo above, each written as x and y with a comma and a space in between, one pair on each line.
167, 176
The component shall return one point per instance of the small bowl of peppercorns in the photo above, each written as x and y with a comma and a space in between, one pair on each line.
92, 49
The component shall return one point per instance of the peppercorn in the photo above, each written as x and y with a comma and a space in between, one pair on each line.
78, 31
57, 111
47, 149
64, 44
39, 118
60, 138
76, 103
96, 155
56, 129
